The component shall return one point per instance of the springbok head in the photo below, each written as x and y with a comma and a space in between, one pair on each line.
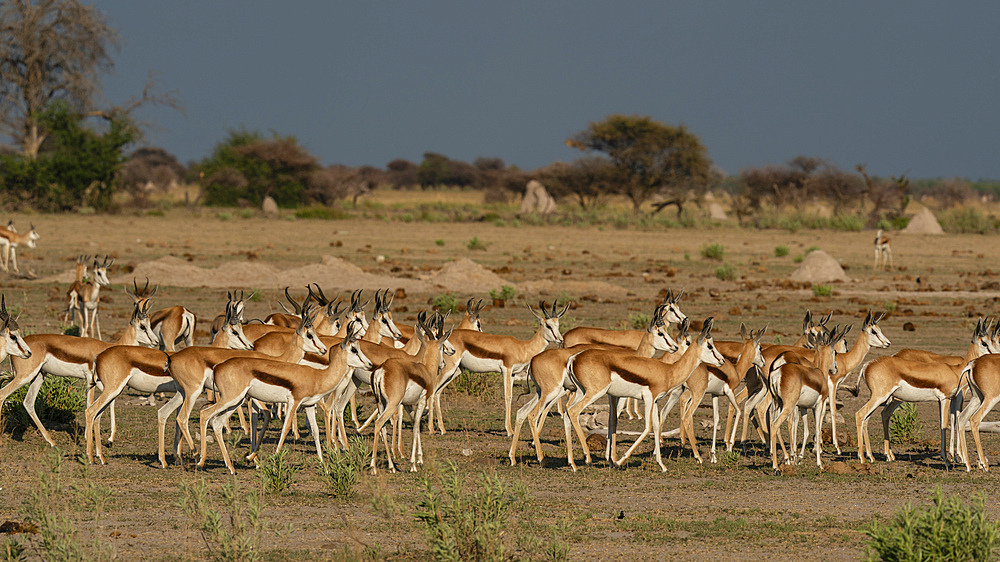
549, 319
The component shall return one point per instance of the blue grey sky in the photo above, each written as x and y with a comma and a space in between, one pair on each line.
900, 86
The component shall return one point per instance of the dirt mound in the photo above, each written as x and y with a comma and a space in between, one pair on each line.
462, 276
331, 273
924, 222
552, 289
465, 275
819, 267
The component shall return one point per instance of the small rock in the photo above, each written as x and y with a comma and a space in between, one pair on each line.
380, 259
466, 452
909, 327
596, 442
269, 206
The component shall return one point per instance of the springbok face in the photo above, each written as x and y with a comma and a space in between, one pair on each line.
549, 319
13, 343
709, 354
356, 358
875, 336
101, 272
826, 348
658, 328
672, 312
981, 338
383, 317
33, 237
236, 338
145, 336
755, 337
313, 343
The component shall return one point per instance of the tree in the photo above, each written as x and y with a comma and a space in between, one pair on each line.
649, 156
149, 165
76, 166
587, 179
889, 198
55, 50
249, 166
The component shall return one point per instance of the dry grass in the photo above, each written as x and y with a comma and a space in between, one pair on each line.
740, 510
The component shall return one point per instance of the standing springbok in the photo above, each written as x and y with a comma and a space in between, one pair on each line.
10, 240
801, 385
274, 381
90, 298
490, 353
597, 373
173, 325
147, 371
893, 381
883, 252
409, 382
549, 371
69, 356
73, 293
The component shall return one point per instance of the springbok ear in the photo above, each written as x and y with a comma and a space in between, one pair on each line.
743, 331
807, 321
682, 330
847, 331
880, 317
677, 297
868, 319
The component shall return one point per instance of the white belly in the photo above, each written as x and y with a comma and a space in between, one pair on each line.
909, 393
269, 392
59, 368
144, 382
716, 386
622, 388
479, 365
808, 397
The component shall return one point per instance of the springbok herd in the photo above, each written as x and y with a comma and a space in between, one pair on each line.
323, 350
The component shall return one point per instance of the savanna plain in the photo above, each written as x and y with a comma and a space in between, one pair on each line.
737, 508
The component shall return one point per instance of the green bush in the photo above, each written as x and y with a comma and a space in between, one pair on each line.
822, 290
811, 249
277, 472
322, 212
505, 293
946, 530
476, 244
905, 424
638, 320
852, 223
439, 241
477, 385
725, 272
446, 302
967, 220
232, 532
58, 401
343, 468
781, 251
713, 251
463, 524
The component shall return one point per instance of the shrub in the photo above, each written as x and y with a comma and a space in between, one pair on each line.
968, 220
713, 251
853, 223
476, 244
638, 320
811, 249
58, 401
439, 241
477, 385
277, 472
822, 290
905, 424
343, 468
466, 525
446, 302
797, 259
505, 293
232, 533
321, 212
725, 272
946, 530
781, 251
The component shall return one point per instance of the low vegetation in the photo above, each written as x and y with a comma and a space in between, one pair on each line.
949, 529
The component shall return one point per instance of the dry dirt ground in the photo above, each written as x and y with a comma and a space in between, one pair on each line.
737, 509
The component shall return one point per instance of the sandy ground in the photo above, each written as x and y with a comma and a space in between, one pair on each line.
740, 510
